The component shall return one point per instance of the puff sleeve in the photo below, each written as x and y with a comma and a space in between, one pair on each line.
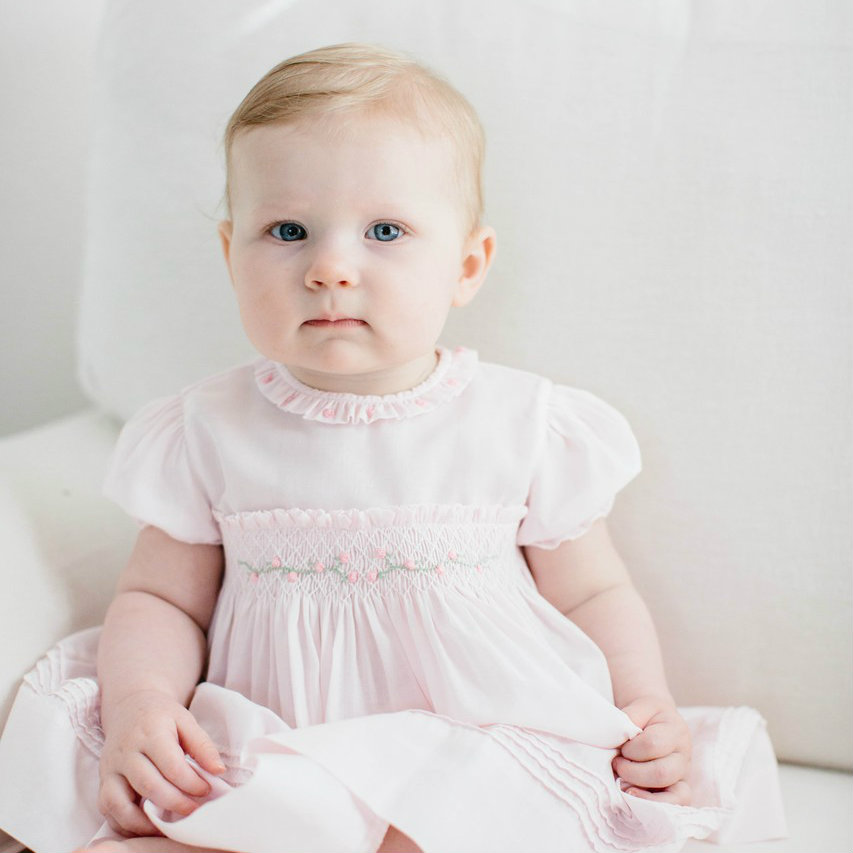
586, 455
153, 478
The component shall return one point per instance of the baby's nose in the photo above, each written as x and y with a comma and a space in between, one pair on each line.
331, 269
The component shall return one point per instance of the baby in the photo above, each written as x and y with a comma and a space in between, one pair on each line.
386, 562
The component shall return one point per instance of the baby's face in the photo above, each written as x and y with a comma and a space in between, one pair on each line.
347, 249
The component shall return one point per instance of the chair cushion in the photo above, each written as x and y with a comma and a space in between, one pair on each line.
817, 808
62, 543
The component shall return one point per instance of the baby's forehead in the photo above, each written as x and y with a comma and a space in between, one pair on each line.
365, 142
380, 157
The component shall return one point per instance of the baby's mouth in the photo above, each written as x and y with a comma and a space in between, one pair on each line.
335, 322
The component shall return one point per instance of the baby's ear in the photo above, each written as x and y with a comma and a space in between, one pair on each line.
226, 229
476, 259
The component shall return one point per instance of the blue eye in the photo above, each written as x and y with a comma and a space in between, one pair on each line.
385, 231
288, 232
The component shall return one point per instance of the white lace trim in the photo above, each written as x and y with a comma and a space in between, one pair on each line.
452, 374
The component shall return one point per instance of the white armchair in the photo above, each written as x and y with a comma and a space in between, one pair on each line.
670, 194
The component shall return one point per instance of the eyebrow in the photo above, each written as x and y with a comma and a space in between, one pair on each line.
292, 208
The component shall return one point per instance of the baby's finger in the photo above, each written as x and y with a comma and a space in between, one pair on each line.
656, 741
169, 759
117, 802
660, 773
149, 783
197, 743
678, 794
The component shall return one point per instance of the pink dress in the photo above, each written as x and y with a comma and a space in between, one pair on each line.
382, 656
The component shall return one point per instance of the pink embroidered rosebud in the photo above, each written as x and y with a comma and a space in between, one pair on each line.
372, 575
479, 568
420, 402
254, 578
268, 378
408, 564
380, 553
452, 555
276, 562
371, 411
292, 577
344, 558
328, 413
439, 569
319, 567
353, 577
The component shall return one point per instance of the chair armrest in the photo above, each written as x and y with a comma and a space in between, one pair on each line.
62, 544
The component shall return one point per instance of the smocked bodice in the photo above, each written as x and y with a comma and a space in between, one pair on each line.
373, 552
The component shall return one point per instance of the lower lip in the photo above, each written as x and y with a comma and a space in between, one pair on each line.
348, 323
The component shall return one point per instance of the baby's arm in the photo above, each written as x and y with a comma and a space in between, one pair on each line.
151, 655
586, 579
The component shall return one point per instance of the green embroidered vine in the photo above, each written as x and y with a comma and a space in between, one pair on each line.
340, 567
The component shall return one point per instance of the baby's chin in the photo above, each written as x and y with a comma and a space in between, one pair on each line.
341, 367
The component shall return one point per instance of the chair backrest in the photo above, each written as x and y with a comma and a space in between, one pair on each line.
669, 188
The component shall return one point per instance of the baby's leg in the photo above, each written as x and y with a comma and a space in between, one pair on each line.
151, 844
396, 842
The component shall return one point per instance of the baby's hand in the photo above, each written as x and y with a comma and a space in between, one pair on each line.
654, 764
144, 756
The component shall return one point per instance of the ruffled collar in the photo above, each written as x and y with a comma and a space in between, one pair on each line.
454, 371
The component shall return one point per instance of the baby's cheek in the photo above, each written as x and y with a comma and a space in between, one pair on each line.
264, 327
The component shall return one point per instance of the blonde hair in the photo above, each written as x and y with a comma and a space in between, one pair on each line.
360, 78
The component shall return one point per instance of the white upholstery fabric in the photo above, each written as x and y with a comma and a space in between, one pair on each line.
63, 544
817, 807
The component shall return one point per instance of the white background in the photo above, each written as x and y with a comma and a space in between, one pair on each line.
46, 55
